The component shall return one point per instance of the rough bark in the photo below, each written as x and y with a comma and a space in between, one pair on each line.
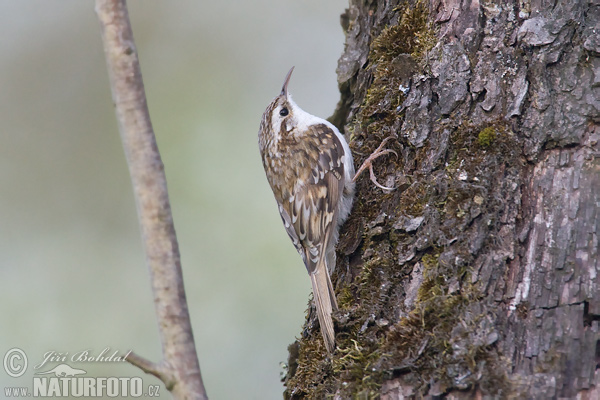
477, 276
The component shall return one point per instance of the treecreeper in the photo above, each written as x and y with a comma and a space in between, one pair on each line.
309, 166
311, 172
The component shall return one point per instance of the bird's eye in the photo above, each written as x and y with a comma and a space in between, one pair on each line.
284, 111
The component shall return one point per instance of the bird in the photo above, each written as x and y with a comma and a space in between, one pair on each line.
310, 169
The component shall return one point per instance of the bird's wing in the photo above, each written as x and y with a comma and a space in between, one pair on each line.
311, 212
291, 231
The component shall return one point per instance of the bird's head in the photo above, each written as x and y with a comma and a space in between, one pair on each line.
282, 116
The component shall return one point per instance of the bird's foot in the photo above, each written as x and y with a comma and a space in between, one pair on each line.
369, 163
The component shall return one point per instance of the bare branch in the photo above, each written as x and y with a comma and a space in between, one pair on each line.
180, 370
159, 370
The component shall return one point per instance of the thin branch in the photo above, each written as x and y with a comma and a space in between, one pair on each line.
179, 370
158, 370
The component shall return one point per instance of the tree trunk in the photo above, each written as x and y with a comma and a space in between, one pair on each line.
477, 277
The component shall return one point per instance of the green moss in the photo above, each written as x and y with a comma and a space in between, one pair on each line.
486, 137
414, 35
345, 298
421, 342
395, 55
369, 277
432, 280
356, 364
496, 138
312, 369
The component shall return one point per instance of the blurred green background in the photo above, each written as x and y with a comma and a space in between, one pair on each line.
73, 275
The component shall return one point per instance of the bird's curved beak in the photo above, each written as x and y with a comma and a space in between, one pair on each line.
284, 91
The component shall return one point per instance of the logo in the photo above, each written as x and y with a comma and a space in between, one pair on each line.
64, 380
63, 370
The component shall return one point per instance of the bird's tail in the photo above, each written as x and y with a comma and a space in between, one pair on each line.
325, 303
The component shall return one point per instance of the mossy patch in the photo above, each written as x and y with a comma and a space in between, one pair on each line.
412, 35
421, 342
312, 368
357, 366
396, 55
486, 137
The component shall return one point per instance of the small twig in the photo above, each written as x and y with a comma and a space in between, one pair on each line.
158, 370
179, 370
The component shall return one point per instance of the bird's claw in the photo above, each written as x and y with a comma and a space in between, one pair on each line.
369, 163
